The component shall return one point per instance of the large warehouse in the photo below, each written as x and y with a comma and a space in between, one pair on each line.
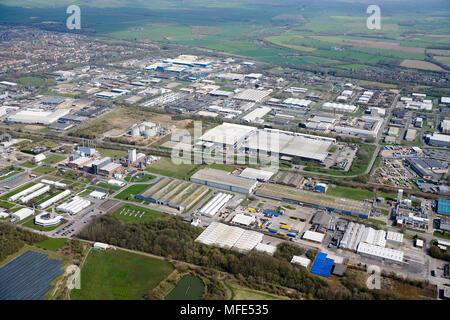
228, 237
37, 116
174, 193
224, 180
314, 200
284, 143
291, 144
228, 134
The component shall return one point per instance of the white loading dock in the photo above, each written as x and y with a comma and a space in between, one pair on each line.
22, 214
215, 205
304, 262
25, 192
53, 200
387, 254
75, 205
313, 236
243, 219
255, 174
267, 248
35, 194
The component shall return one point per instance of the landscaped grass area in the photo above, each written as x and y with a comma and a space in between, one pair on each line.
54, 158
376, 221
52, 244
189, 287
9, 172
6, 205
28, 164
140, 177
108, 186
44, 170
443, 235
130, 192
350, 193
166, 167
132, 213
120, 275
113, 153
6, 196
30, 224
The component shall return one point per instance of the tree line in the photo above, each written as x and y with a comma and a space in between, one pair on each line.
170, 237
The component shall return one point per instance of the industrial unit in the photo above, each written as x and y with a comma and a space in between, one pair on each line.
314, 200
223, 180
229, 237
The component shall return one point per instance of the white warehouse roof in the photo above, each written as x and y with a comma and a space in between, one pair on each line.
214, 206
53, 200
75, 205
267, 248
229, 237
380, 252
22, 213
395, 237
313, 236
243, 219
37, 116
301, 261
255, 174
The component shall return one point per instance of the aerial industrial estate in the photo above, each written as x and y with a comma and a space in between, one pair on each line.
160, 169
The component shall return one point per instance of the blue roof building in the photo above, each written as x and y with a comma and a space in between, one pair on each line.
443, 206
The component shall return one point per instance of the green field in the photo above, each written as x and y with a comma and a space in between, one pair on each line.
52, 244
108, 186
188, 288
350, 193
113, 153
28, 185
166, 167
30, 224
44, 170
120, 275
53, 159
140, 177
130, 192
28, 164
128, 212
292, 33
9, 172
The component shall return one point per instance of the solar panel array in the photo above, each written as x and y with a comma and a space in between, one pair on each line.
28, 277
322, 265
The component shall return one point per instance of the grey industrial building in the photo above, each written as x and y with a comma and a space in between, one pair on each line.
224, 180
